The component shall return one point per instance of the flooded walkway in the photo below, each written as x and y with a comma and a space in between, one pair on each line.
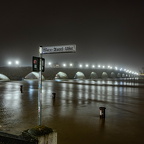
74, 113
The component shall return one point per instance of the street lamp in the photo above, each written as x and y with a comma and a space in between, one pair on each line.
49, 63
64, 65
116, 68
99, 66
17, 62
9, 63
87, 65
80, 66
71, 64
93, 66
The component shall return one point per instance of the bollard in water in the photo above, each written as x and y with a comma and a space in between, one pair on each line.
21, 88
102, 112
54, 95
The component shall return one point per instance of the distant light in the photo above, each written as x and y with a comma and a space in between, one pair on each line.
93, 66
71, 64
116, 68
99, 66
103, 66
64, 65
87, 65
9, 63
17, 62
121, 69
108, 66
49, 63
80, 66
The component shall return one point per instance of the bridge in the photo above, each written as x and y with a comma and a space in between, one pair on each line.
19, 73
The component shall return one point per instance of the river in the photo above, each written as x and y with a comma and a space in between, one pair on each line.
74, 113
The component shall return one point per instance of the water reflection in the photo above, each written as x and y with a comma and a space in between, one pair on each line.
76, 105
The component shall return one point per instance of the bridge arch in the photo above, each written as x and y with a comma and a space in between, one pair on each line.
112, 75
33, 76
93, 75
4, 77
104, 75
61, 75
79, 75
123, 75
118, 75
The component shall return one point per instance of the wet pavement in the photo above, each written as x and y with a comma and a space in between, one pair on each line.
74, 113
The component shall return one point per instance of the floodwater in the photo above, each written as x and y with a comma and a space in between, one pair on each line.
74, 113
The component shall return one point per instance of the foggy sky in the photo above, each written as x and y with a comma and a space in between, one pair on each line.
105, 32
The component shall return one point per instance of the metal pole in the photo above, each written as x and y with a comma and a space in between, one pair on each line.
40, 88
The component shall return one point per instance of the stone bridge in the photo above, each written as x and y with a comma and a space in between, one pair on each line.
18, 73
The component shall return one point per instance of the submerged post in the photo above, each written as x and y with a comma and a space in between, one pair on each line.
102, 112
21, 88
40, 88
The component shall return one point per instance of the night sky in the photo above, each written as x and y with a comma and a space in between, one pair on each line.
105, 32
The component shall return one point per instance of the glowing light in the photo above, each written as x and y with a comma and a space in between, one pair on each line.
64, 65
87, 65
93, 66
17, 62
71, 64
49, 63
99, 66
9, 63
80, 66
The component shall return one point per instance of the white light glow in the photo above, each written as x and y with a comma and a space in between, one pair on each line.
93, 66
64, 65
49, 63
9, 63
17, 62
71, 64
87, 65
80, 66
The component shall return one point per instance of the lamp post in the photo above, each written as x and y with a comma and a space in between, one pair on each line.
9, 63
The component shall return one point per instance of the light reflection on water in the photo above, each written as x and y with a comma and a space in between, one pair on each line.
12, 98
76, 101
